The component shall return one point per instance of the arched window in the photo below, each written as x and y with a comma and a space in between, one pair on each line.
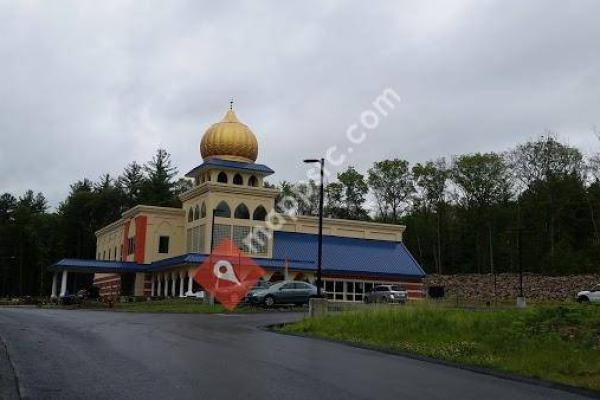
237, 180
241, 212
203, 210
222, 177
252, 181
191, 214
223, 210
196, 212
259, 214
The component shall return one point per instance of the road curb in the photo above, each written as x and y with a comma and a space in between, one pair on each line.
472, 368
9, 382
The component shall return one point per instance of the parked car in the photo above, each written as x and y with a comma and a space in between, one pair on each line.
284, 292
386, 294
260, 285
589, 296
197, 295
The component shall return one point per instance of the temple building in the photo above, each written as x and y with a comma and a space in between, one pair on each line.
154, 251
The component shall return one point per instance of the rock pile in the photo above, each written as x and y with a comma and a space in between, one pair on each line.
541, 287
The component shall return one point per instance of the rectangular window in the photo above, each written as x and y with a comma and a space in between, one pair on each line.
104, 255
199, 243
131, 245
239, 234
349, 291
121, 253
358, 291
221, 232
329, 289
195, 233
190, 243
195, 239
260, 241
163, 245
339, 290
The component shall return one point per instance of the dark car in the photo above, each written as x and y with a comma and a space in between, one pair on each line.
285, 292
386, 294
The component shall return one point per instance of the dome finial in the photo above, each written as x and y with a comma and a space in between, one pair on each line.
229, 140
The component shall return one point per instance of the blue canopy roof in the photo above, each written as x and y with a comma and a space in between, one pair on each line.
341, 256
198, 258
217, 162
100, 266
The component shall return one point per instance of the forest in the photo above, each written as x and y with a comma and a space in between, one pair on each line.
534, 206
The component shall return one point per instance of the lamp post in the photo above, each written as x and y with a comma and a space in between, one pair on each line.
321, 162
211, 299
521, 301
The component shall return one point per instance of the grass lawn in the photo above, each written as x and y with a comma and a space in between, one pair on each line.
554, 343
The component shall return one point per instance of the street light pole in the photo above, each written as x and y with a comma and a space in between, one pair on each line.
211, 299
521, 301
321, 163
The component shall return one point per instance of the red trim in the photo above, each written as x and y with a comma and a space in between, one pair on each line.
125, 252
367, 277
107, 279
141, 222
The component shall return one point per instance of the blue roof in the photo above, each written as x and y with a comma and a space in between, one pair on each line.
217, 162
343, 255
100, 266
198, 258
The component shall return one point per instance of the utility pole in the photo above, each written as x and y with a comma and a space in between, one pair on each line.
521, 301
321, 162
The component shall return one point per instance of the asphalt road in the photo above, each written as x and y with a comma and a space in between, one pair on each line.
63, 354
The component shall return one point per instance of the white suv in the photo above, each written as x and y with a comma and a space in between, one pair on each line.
589, 296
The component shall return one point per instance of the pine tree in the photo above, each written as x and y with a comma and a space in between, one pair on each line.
158, 189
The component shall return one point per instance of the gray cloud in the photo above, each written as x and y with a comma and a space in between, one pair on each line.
87, 87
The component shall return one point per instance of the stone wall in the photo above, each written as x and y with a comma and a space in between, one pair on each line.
475, 286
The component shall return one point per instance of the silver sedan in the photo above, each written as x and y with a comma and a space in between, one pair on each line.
386, 294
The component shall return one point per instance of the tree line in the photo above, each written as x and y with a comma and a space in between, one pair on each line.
536, 205
32, 237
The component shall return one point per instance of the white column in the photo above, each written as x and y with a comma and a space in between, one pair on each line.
181, 283
190, 284
54, 285
152, 286
63, 283
173, 284
159, 284
166, 287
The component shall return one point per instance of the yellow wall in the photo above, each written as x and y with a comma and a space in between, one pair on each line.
109, 240
345, 228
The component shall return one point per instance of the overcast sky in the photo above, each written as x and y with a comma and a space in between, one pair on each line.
88, 86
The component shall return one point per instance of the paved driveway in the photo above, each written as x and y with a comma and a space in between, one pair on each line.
61, 354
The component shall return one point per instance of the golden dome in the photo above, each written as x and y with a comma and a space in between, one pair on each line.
229, 140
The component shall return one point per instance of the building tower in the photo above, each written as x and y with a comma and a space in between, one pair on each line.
229, 184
